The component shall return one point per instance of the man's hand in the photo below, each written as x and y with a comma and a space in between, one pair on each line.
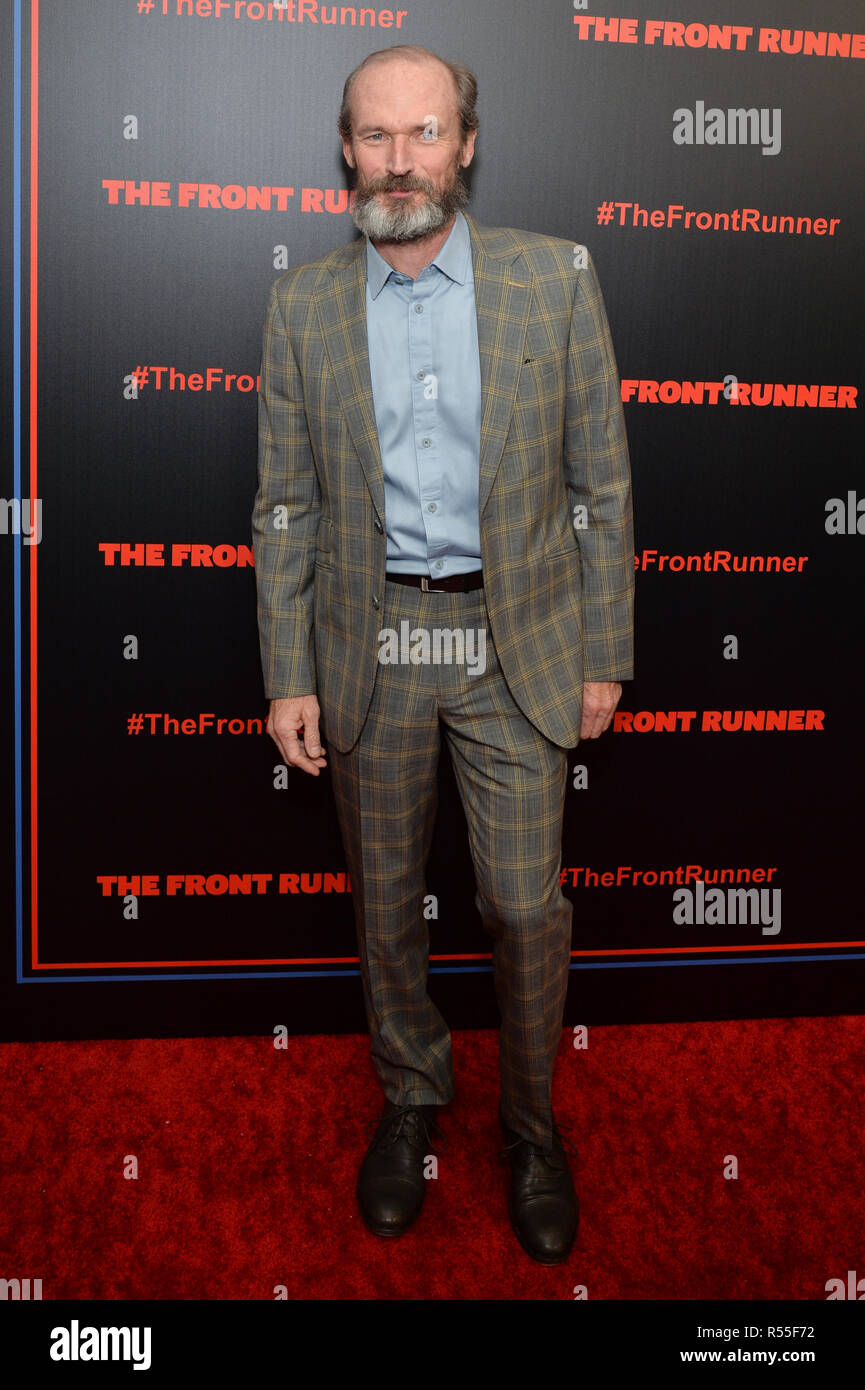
599, 704
286, 718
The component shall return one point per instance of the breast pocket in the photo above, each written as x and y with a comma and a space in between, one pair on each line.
546, 364
543, 378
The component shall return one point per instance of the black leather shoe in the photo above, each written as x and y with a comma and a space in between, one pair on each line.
391, 1185
543, 1204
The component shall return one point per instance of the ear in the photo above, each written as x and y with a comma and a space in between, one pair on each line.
468, 149
348, 153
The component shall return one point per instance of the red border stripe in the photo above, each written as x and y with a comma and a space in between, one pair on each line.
34, 894
34, 484
480, 955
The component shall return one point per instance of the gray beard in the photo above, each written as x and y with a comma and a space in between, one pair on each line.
401, 223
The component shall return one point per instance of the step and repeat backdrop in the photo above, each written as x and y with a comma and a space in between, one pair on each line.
170, 158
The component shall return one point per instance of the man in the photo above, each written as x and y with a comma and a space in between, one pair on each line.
442, 451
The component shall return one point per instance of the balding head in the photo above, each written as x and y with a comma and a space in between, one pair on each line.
463, 82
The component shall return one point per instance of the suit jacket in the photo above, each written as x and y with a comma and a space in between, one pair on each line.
559, 592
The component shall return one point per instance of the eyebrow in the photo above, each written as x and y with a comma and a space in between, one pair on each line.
370, 129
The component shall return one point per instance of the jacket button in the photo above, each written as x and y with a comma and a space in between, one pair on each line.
375, 602
378, 525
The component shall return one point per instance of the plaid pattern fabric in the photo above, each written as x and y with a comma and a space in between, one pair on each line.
556, 609
560, 600
512, 784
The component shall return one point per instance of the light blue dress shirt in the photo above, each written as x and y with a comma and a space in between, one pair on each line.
426, 382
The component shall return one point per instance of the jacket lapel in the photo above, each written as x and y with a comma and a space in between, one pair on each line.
341, 303
502, 296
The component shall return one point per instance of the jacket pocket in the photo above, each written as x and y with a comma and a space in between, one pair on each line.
324, 544
544, 364
561, 547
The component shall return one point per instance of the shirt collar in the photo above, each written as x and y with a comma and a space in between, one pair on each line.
454, 259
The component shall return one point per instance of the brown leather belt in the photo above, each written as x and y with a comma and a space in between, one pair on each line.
456, 583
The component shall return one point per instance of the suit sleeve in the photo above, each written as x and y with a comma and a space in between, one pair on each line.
598, 477
284, 519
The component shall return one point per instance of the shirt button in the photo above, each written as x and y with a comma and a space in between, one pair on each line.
439, 564
418, 308
431, 507
426, 443
419, 376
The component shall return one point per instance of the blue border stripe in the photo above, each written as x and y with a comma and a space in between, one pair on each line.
434, 970
16, 486
18, 678
723, 960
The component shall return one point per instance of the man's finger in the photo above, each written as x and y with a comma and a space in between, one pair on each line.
295, 754
595, 722
310, 739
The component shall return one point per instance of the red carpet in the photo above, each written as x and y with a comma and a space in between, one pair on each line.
247, 1159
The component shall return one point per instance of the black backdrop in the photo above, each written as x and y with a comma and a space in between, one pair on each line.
119, 265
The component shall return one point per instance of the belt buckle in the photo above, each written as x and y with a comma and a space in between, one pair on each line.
425, 585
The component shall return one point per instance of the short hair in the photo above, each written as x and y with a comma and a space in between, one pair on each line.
464, 80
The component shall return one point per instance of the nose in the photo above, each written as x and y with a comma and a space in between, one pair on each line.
400, 158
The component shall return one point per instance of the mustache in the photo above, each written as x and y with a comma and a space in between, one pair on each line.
393, 183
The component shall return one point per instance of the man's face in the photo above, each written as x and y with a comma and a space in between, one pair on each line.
406, 150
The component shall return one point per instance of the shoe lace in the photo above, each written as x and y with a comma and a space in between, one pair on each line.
396, 1125
537, 1150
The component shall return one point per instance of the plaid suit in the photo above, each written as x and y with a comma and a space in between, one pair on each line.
556, 607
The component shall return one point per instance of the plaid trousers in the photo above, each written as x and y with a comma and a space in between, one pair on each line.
512, 783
